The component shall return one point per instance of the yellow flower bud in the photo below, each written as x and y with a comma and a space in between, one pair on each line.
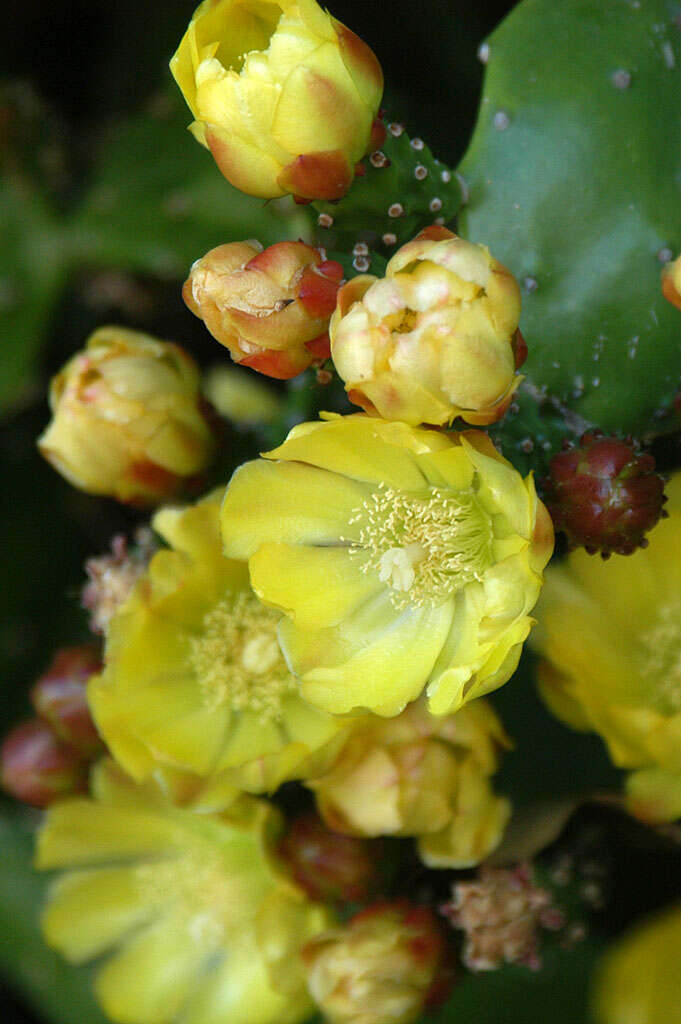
128, 419
417, 775
270, 308
381, 966
242, 397
671, 282
436, 338
282, 94
190, 916
404, 559
638, 980
610, 634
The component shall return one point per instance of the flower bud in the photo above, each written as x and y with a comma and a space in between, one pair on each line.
127, 419
60, 697
381, 966
328, 866
604, 495
434, 339
418, 775
271, 307
282, 94
671, 282
37, 768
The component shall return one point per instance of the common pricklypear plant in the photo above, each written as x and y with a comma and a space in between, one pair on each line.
345, 722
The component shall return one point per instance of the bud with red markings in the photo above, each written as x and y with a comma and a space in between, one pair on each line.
270, 307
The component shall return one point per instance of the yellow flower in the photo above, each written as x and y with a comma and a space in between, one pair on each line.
242, 397
194, 679
403, 558
638, 981
282, 94
127, 418
417, 775
611, 636
270, 308
195, 911
435, 338
380, 967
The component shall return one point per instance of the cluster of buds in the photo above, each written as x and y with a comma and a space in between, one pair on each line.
128, 421
501, 914
283, 95
48, 757
604, 494
328, 866
386, 964
112, 576
270, 308
436, 338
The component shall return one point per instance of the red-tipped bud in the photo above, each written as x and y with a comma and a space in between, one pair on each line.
328, 866
60, 697
385, 964
604, 495
37, 768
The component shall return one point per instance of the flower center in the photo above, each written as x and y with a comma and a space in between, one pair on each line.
660, 657
237, 660
426, 546
205, 896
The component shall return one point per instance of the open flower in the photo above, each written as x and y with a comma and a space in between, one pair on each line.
622, 678
436, 338
195, 911
128, 419
403, 559
638, 980
270, 308
283, 95
418, 775
194, 680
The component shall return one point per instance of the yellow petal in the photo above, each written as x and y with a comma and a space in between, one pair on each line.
317, 587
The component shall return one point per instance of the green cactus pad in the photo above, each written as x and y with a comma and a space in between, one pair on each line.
574, 173
401, 189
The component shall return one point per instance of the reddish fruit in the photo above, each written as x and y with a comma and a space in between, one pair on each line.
37, 768
604, 494
328, 866
60, 697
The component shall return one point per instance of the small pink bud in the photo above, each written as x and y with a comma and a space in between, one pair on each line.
37, 768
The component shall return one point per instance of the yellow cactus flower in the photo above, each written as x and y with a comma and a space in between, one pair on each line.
270, 308
282, 94
242, 397
436, 338
194, 910
417, 775
194, 680
671, 282
403, 559
638, 980
382, 966
610, 634
128, 418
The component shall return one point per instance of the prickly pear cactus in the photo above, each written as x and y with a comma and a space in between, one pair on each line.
574, 173
399, 188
